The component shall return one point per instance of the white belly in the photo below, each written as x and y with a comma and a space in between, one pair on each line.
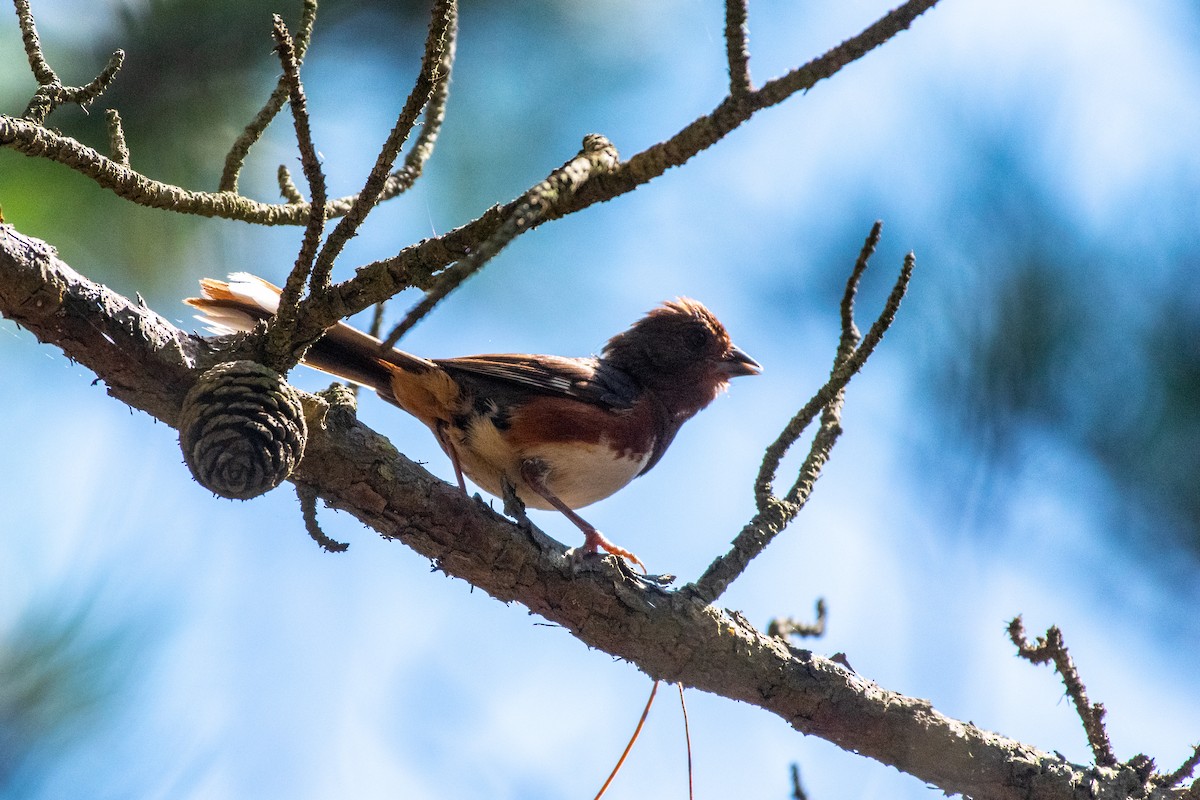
581, 473
584, 473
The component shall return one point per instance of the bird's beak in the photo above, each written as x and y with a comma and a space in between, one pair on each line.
737, 363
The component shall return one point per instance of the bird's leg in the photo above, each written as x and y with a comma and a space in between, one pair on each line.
533, 472
440, 433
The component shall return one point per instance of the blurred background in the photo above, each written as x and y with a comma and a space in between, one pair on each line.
1026, 440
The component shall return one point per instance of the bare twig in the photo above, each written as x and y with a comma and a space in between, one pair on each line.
254, 131
437, 47
783, 627
797, 788
774, 513
848, 343
42, 72
687, 739
1185, 771
434, 115
287, 187
377, 281
1051, 648
737, 48
280, 348
597, 157
116, 137
51, 92
307, 496
51, 95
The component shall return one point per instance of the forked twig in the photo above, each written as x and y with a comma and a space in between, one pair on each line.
51, 92
774, 513
1051, 648
236, 157
279, 343
438, 50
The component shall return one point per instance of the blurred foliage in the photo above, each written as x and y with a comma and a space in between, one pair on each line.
60, 679
1083, 340
196, 71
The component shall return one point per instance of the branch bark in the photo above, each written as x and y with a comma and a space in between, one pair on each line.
149, 364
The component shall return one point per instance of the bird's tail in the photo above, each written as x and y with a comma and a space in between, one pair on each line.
243, 301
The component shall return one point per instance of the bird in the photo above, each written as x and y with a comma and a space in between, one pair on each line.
559, 433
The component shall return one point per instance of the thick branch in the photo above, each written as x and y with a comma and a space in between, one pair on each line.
149, 364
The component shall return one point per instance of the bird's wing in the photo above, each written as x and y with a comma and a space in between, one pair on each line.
586, 379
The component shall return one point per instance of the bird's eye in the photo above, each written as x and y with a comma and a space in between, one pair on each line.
696, 339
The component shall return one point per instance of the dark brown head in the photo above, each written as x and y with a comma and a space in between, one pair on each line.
682, 353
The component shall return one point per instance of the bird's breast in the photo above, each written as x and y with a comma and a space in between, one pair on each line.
580, 473
590, 451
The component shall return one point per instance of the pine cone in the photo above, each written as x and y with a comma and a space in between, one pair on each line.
241, 429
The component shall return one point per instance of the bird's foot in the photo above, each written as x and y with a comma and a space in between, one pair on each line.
594, 541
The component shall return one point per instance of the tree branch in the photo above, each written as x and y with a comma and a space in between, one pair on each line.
414, 265
1051, 647
254, 131
775, 513
149, 364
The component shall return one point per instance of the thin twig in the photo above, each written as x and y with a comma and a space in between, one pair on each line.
1185, 771
377, 281
307, 496
850, 334
50, 96
42, 72
236, 157
784, 627
433, 116
774, 513
287, 187
737, 47
279, 338
797, 789
848, 345
597, 157
116, 137
1051, 648
437, 45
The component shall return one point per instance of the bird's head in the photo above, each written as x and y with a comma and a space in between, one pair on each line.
682, 353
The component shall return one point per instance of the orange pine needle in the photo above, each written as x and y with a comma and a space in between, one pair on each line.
687, 737
632, 739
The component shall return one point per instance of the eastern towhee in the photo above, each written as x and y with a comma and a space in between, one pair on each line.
560, 432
